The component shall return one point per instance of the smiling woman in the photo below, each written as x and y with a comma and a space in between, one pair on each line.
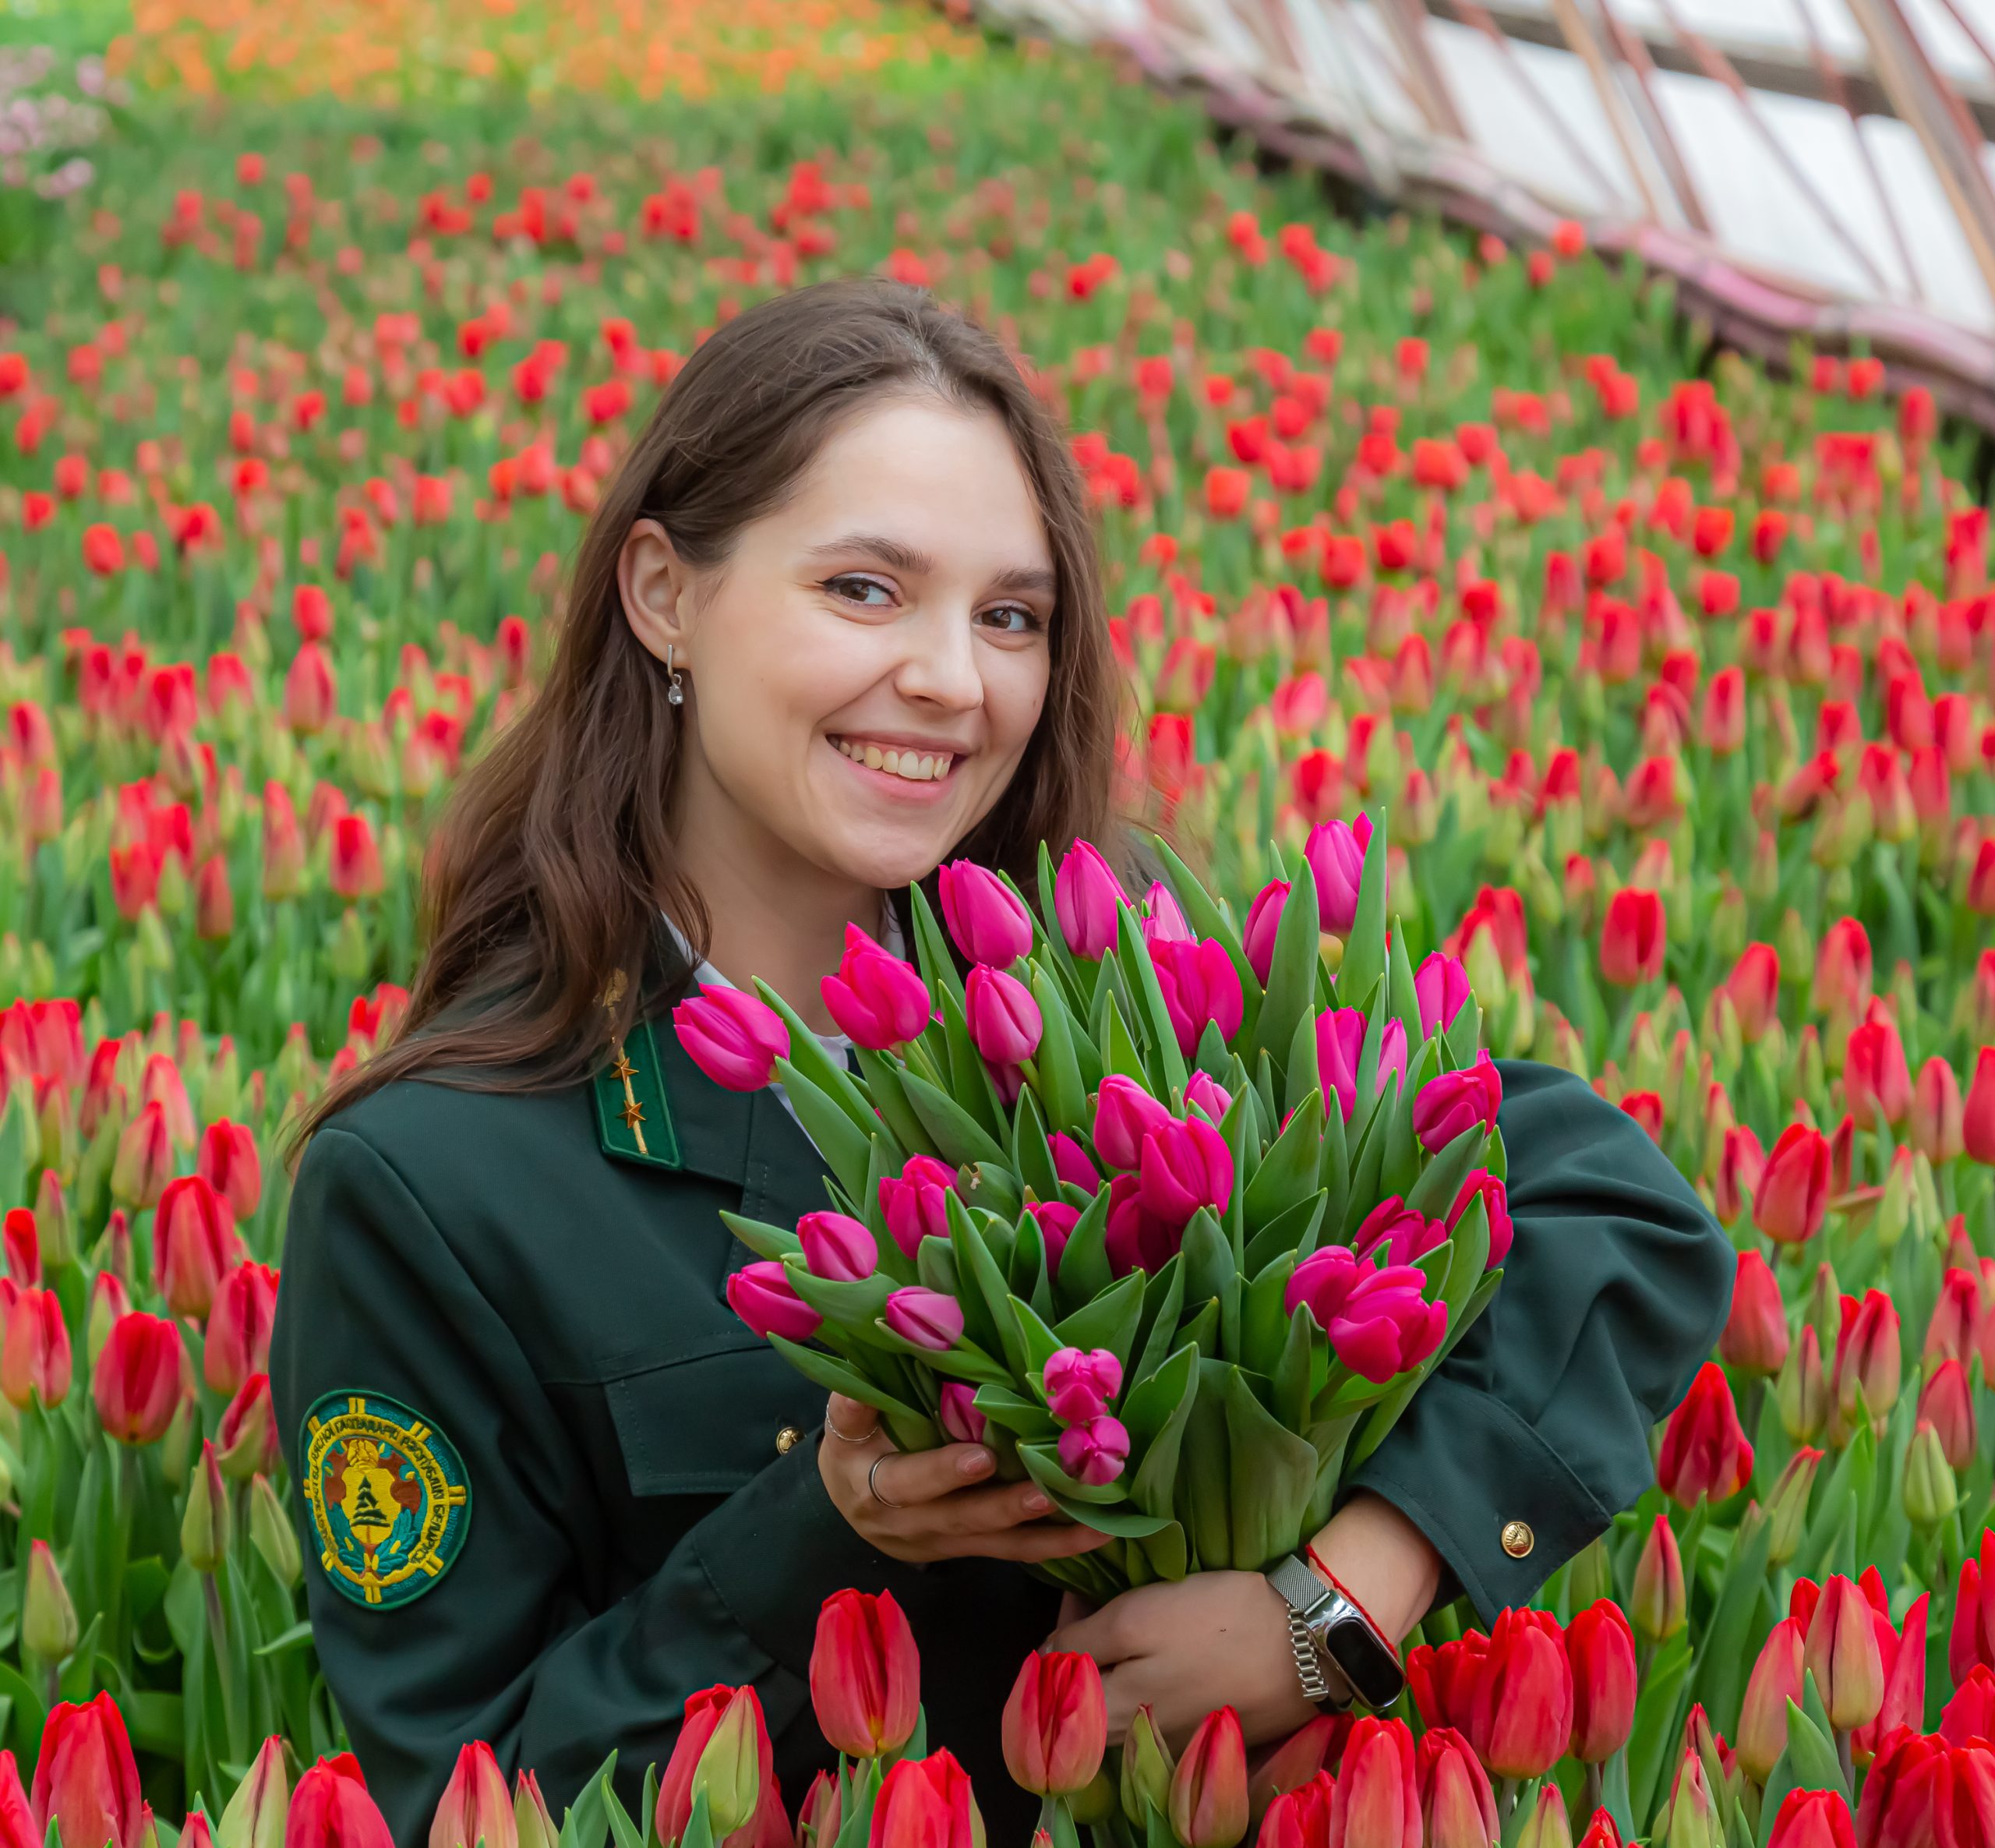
838, 620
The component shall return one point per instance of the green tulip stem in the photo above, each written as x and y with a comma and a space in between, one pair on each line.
232, 1697
1845, 1758
1590, 1791
1506, 1797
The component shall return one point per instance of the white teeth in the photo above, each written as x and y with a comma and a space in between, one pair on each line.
912, 766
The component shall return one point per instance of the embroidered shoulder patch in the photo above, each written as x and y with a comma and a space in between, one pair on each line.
389, 1500
633, 1120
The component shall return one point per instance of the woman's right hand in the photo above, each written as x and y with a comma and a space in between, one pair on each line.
945, 1504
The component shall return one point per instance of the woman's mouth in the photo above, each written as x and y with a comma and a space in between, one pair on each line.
907, 761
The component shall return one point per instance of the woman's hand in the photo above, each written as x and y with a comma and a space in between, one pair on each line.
1216, 1639
946, 1506
1219, 1639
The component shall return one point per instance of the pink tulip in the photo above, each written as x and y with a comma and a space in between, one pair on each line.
916, 1202
1185, 1166
1071, 1163
876, 999
1263, 923
1136, 1237
924, 1318
1086, 897
733, 1037
985, 917
1340, 1040
1392, 1055
1441, 984
837, 1247
761, 1295
1056, 1221
1200, 986
1166, 922
1094, 1453
1003, 1020
1336, 859
1125, 1114
1457, 1101
1496, 1207
1405, 1233
1079, 1385
1378, 1321
957, 1414
1211, 1097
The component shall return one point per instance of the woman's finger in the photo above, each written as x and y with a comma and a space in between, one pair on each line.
1028, 1544
851, 1421
921, 1476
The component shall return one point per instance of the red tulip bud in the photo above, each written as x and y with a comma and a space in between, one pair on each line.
475, 1806
1600, 1645
1813, 1819
86, 1780
1704, 1455
194, 1243
1523, 1718
331, 1808
139, 1379
1456, 1804
865, 1674
35, 1361
1842, 1653
1055, 1724
1755, 1339
1660, 1603
1793, 1193
926, 1803
1775, 1680
1376, 1803
1209, 1788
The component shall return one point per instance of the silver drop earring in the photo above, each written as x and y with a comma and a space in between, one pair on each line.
674, 694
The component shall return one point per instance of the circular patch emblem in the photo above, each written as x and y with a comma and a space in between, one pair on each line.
390, 1504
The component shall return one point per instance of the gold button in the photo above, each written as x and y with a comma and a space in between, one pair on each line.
789, 1437
1518, 1539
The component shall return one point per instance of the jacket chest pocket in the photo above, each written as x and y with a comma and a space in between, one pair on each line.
706, 1424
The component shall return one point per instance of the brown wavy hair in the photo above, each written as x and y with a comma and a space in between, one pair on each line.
547, 872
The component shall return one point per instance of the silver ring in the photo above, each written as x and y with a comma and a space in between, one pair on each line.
872, 1482
841, 1436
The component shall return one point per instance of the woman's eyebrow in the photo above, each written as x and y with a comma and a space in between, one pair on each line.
919, 563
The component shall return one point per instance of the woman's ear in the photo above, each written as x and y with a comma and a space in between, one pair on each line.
656, 587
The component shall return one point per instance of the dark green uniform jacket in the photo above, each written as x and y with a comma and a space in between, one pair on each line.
646, 1516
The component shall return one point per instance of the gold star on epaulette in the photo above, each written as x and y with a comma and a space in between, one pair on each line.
633, 1114
623, 1071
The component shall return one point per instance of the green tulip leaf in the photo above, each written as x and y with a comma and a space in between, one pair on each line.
1291, 988
1109, 1321
1061, 1088
1166, 1057
885, 1085
1365, 948
765, 1240
1287, 1174
963, 1141
846, 1147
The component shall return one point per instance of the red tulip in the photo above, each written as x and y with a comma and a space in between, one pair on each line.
1755, 1339
1742, 1161
926, 1803
1376, 1803
237, 1340
1456, 1804
247, 1436
1522, 1717
1908, 1795
1842, 1654
1978, 1114
17, 1823
1208, 1804
1776, 1679
1904, 1654
194, 1244
86, 1780
738, 1773
1971, 1642
1443, 1680
283, 844
1055, 1724
35, 1363
1299, 1818
1875, 1081
1867, 1358
865, 1674
1705, 1455
331, 1808
355, 868
1842, 971
1939, 1123
1185, 1166
822, 1815
475, 1806
1600, 1645
1754, 987
311, 695
144, 1162
1200, 987
1947, 1403
139, 1379
1793, 1193
1600, 1832
1813, 1819
1660, 1601
1956, 1317
1634, 937
1971, 1713
915, 1203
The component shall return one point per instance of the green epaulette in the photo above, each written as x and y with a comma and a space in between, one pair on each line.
633, 1119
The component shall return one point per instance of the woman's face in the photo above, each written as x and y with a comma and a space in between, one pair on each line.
864, 671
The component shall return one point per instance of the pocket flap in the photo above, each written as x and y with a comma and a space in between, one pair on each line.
706, 1425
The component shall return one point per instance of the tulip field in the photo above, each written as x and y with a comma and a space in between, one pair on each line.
1675, 680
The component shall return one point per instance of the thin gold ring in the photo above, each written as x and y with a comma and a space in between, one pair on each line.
867, 1438
872, 1482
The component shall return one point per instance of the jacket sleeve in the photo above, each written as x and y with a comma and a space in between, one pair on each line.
502, 1647
1617, 1285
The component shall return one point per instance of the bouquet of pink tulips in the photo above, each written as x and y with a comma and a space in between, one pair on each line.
1175, 1213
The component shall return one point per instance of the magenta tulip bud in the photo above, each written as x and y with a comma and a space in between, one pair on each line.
1166, 923
1185, 1166
1336, 860
1340, 1040
876, 999
924, 1318
1199, 985
1456, 1101
1441, 984
1405, 1233
1210, 1096
959, 1416
1392, 1054
1378, 1321
837, 1247
916, 1202
1004, 1019
985, 917
1094, 1453
1495, 1204
1263, 922
761, 1295
1071, 1163
1056, 1221
1086, 897
1079, 1386
732, 1036
1125, 1113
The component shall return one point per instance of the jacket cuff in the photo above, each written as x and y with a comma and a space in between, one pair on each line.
777, 1548
1465, 1470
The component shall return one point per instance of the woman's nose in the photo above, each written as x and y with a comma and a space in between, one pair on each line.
940, 667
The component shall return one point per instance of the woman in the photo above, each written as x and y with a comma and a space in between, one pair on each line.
837, 619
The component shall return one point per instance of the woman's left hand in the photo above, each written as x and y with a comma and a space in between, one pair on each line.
1216, 1639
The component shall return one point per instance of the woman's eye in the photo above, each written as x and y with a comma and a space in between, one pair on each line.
854, 590
1011, 618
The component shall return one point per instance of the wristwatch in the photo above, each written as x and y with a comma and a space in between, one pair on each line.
1345, 1643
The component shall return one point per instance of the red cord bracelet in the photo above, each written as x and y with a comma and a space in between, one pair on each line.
1337, 1585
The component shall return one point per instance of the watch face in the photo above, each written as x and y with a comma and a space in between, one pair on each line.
1368, 1665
